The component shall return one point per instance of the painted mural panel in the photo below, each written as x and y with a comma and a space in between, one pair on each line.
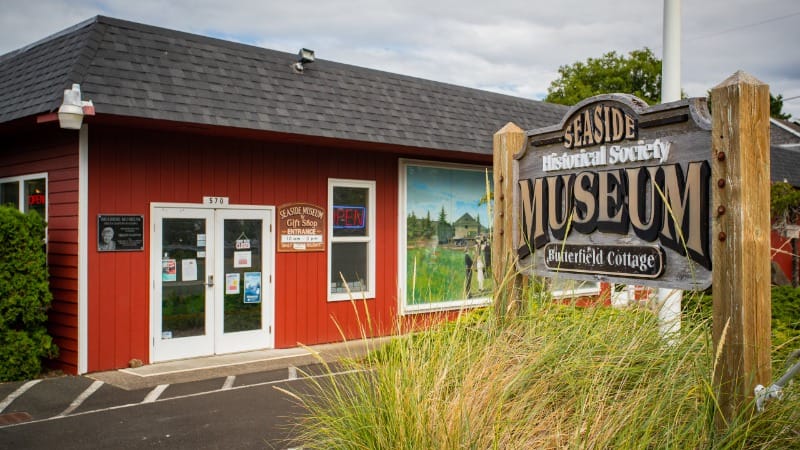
447, 252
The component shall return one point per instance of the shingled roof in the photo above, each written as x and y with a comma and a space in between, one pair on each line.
134, 70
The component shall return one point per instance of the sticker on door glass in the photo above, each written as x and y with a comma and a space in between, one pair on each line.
242, 259
231, 283
169, 270
252, 287
201, 240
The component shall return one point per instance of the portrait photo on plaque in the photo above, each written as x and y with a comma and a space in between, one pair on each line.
120, 233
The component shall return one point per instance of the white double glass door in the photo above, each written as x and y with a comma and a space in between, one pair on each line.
212, 289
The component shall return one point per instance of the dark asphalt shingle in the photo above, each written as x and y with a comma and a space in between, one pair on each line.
785, 164
136, 70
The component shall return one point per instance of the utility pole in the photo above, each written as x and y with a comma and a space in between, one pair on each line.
669, 300
671, 62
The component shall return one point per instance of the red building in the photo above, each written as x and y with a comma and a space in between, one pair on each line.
218, 197
785, 167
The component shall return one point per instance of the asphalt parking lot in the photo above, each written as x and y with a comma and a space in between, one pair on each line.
204, 398
51, 398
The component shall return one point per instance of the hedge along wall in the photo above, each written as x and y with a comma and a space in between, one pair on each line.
24, 296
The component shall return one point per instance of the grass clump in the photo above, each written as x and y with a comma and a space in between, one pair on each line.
552, 376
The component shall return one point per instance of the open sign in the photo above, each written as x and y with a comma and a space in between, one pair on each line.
349, 217
36, 199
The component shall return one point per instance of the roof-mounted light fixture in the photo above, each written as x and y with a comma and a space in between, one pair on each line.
72, 110
305, 56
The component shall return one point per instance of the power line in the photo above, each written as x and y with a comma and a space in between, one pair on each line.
740, 27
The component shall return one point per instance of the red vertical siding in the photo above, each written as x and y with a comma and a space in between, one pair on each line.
54, 152
129, 169
781, 249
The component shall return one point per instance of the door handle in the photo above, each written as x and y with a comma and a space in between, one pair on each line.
210, 282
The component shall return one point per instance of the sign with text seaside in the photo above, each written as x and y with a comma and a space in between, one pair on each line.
617, 192
301, 228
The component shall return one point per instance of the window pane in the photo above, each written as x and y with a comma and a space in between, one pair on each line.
183, 303
35, 196
350, 211
448, 247
9, 193
350, 260
242, 310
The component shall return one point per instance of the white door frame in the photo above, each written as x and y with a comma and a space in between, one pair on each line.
214, 341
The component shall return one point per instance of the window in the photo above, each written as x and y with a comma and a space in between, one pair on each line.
444, 233
351, 242
27, 193
567, 288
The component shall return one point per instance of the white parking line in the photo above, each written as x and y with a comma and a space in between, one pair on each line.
13, 396
155, 393
161, 388
81, 398
228, 382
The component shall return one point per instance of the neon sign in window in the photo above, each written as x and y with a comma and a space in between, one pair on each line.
349, 217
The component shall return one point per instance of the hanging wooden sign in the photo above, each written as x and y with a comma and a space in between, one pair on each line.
618, 191
301, 228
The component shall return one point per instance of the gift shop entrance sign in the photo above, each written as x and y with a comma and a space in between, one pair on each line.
618, 192
301, 228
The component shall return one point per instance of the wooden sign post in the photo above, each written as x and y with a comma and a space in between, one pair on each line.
507, 141
740, 177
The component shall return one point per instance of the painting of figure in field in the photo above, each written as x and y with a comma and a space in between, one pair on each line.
448, 255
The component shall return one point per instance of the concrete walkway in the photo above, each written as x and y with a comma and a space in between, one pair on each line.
195, 369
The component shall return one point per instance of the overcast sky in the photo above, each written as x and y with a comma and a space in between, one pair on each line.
509, 46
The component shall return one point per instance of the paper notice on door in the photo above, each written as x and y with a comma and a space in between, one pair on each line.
242, 259
169, 270
231, 283
189, 269
252, 287
201, 240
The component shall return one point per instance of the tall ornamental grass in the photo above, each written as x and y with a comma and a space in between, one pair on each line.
551, 376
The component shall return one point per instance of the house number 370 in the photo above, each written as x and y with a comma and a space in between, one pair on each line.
215, 200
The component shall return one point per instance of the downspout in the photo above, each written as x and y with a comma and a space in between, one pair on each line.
83, 250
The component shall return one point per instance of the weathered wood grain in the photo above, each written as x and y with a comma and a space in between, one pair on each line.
740, 241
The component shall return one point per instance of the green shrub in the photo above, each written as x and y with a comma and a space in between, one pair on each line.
785, 320
24, 296
785, 323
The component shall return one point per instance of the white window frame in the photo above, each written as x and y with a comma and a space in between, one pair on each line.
369, 238
21, 180
402, 232
588, 288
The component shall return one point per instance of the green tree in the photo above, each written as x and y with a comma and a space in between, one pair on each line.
639, 74
776, 107
412, 225
427, 225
